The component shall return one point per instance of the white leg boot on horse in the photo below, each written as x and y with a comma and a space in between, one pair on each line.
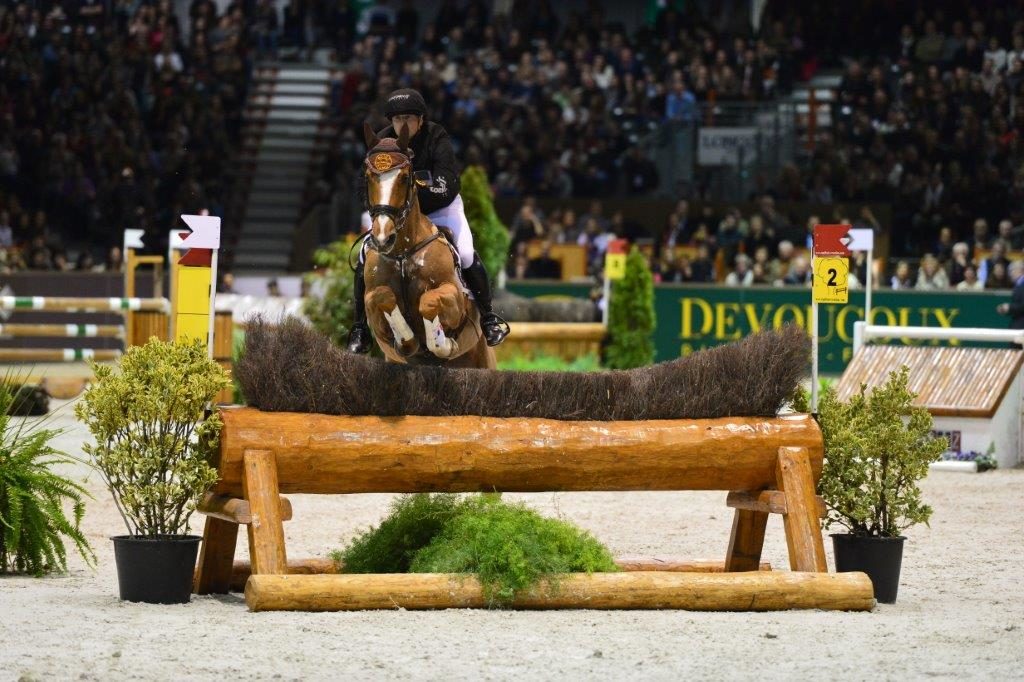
410, 272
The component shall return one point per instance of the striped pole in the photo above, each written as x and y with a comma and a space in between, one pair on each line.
30, 303
56, 354
109, 331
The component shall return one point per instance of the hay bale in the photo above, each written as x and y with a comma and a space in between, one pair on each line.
290, 367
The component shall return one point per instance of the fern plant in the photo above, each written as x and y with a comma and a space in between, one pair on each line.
33, 497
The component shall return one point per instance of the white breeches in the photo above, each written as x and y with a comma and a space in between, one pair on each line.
452, 216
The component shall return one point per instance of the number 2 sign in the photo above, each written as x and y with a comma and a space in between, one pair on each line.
830, 280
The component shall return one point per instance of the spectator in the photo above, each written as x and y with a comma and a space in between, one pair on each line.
970, 281
931, 276
779, 268
6, 231
1015, 308
114, 261
1011, 236
702, 268
901, 278
741, 275
227, 283
640, 173
680, 104
758, 236
799, 274
998, 278
544, 266
958, 263
85, 262
943, 249
997, 256
679, 226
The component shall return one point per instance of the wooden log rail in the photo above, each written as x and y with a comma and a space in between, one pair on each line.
767, 465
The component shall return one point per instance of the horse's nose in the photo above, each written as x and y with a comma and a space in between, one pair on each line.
389, 243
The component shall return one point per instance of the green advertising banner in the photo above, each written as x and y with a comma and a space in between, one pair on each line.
690, 318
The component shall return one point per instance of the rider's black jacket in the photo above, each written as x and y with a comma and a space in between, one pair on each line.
432, 151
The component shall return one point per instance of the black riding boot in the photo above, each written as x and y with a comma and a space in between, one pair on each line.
494, 328
359, 339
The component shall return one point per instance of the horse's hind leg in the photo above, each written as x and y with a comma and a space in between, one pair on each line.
388, 323
440, 309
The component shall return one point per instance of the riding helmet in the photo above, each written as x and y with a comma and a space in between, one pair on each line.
405, 101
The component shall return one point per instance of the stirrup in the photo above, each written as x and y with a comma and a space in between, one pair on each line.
495, 328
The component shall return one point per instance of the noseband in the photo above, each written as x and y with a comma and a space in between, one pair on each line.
379, 161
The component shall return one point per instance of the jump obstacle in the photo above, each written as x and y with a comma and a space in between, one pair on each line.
767, 465
71, 305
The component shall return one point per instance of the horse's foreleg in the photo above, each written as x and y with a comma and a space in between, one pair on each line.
441, 310
387, 321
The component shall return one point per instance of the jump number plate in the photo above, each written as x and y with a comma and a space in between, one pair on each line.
831, 280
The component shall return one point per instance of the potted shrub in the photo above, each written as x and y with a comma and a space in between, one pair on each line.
877, 447
153, 450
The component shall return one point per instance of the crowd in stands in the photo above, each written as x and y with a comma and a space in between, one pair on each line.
930, 119
762, 247
111, 119
120, 113
550, 107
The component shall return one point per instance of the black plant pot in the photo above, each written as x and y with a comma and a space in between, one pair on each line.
880, 558
156, 569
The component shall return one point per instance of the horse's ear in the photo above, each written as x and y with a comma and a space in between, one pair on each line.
371, 137
403, 138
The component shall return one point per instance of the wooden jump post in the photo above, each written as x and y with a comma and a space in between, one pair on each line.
768, 465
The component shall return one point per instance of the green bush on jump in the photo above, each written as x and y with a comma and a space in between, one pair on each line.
490, 236
509, 547
631, 316
331, 310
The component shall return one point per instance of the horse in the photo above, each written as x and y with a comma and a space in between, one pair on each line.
410, 271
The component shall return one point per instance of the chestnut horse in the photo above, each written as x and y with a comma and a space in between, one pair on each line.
416, 304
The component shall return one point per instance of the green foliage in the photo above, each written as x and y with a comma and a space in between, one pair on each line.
508, 547
877, 447
237, 351
550, 363
153, 447
801, 400
33, 521
490, 236
413, 522
631, 316
331, 311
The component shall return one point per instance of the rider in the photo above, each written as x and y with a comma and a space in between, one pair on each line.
440, 202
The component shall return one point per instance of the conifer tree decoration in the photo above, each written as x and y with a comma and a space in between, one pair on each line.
490, 236
631, 316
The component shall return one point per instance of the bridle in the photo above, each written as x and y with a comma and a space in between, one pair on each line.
381, 160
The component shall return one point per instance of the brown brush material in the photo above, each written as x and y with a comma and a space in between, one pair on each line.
290, 367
